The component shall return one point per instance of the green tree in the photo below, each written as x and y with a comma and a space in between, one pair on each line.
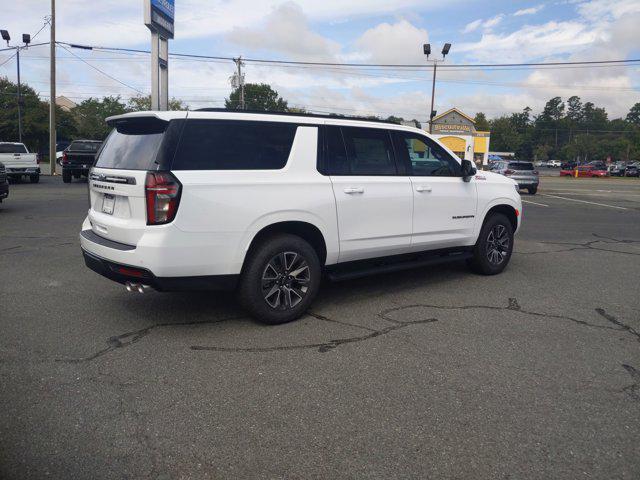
143, 103
482, 124
35, 117
634, 115
91, 114
574, 109
257, 96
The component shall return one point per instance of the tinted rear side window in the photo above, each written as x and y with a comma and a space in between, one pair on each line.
90, 147
521, 165
11, 148
369, 151
132, 145
234, 145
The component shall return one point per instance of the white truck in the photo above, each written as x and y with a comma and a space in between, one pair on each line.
19, 162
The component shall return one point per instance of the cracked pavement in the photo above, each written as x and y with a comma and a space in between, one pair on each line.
431, 373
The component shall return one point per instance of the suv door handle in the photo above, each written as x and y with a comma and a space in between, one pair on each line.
423, 188
352, 190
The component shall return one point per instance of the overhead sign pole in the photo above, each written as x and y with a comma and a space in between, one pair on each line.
159, 18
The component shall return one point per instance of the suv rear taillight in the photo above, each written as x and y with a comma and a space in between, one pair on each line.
65, 159
509, 172
162, 193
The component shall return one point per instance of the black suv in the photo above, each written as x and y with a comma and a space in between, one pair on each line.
78, 158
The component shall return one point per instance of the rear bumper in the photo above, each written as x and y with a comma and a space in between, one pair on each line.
112, 271
18, 172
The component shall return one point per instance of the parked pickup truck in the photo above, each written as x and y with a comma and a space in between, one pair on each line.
19, 162
78, 158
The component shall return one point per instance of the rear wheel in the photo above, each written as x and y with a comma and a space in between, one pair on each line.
280, 279
532, 190
492, 251
66, 176
34, 178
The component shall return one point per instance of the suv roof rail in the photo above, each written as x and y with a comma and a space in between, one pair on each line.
297, 114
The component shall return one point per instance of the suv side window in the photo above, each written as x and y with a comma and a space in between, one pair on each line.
369, 151
336, 162
424, 157
234, 145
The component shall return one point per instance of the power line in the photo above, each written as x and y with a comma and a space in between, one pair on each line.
102, 72
362, 65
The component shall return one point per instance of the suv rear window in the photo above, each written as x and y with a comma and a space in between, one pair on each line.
521, 165
12, 148
132, 145
234, 145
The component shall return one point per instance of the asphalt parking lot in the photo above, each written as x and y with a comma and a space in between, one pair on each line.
432, 373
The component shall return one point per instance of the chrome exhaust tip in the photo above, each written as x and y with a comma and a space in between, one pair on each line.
129, 286
136, 287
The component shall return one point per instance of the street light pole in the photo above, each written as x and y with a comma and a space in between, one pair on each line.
19, 96
433, 94
427, 51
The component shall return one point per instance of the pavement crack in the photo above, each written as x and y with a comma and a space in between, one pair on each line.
321, 346
588, 245
618, 323
327, 319
130, 338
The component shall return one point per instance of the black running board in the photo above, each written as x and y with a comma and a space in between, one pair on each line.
353, 270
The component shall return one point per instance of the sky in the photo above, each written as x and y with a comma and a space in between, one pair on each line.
346, 31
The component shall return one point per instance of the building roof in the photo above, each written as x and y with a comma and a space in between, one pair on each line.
454, 109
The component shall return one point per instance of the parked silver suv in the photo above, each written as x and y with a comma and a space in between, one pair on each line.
523, 173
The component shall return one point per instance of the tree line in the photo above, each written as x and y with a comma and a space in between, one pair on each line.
570, 130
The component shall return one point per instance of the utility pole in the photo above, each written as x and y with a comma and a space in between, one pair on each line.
427, 51
52, 90
237, 81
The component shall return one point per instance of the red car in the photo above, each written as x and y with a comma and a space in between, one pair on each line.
585, 171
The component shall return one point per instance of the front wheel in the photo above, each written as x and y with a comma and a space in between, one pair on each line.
492, 251
280, 279
532, 190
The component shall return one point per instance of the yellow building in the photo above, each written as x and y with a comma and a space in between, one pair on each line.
458, 132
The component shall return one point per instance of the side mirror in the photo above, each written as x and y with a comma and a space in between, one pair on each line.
468, 170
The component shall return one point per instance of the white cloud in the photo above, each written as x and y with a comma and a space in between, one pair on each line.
472, 26
485, 25
528, 11
286, 30
532, 41
400, 42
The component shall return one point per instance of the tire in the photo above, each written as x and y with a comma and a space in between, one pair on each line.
66, 176
266, 292
532, 190
485, 261
34, 178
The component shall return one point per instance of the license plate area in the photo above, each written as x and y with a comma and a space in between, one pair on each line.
108, 203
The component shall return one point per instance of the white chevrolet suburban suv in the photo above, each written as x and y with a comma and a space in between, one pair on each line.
266, 204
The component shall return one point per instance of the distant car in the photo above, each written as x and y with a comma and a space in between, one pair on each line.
632, 170
4, 183
523, 173
570, 165
617, 169
554, 164
78, 158
60, 148
585, 171
598, 165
